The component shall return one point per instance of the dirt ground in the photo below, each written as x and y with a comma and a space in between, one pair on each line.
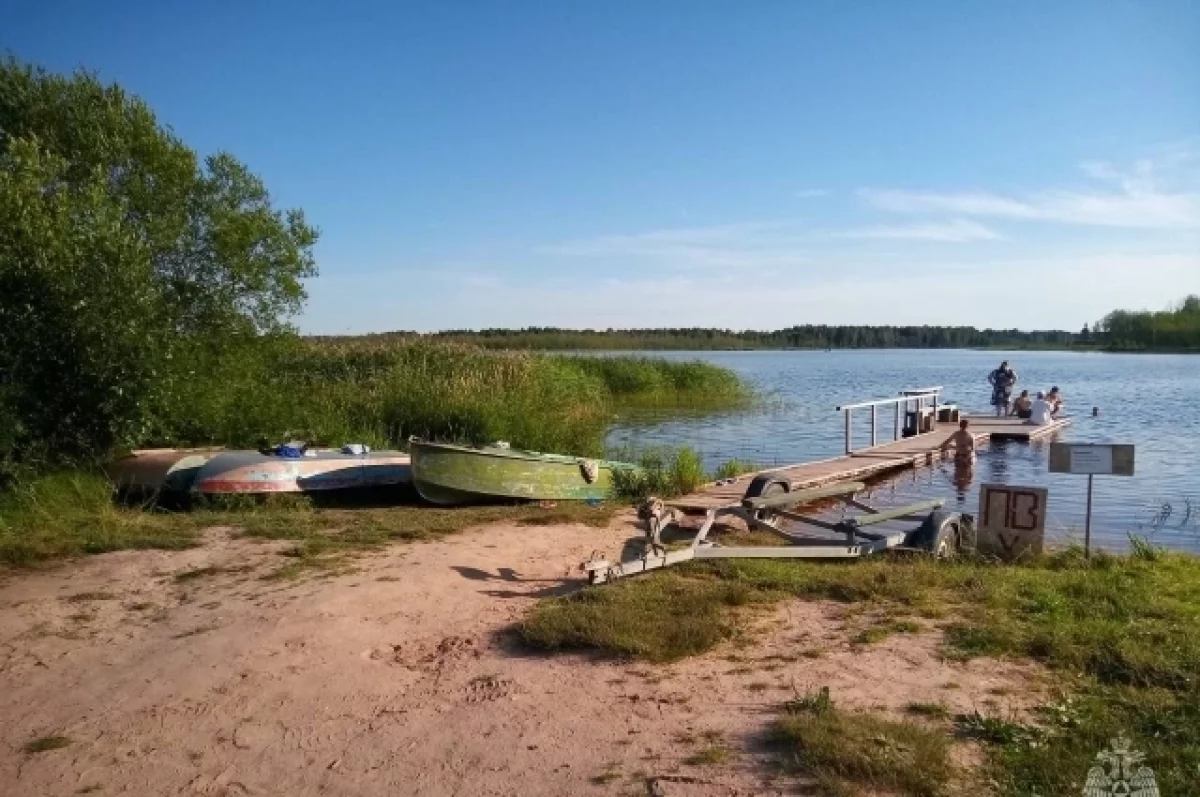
403, 678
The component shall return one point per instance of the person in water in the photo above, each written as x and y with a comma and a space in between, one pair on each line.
1022, 405
963, 443
1002, 381
1041, 412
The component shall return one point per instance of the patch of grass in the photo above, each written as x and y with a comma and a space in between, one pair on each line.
731, 469
937, 711
1121, 634
880, 632
87, 597
72, 513
996, 730
44, 743
660, 619
709, 756
661, 474
758, 686
845, 750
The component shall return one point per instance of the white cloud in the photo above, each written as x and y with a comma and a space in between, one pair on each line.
1153, 193
952, 231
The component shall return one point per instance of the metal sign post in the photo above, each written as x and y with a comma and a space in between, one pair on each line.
1091, 459
1087, 521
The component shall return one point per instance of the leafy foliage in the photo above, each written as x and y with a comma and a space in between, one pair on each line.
1178, 328
124, 263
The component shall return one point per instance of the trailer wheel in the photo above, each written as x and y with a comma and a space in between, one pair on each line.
939, 535
766, 485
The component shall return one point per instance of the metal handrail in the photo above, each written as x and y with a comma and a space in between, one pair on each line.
906, 396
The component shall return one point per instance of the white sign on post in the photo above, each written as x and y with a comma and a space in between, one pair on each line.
1091, 460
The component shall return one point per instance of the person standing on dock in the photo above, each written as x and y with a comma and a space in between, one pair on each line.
1002, 381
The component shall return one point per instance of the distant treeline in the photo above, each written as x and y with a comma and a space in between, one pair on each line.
1177, 329
798, 337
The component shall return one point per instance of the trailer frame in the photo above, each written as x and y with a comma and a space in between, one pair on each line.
770, 499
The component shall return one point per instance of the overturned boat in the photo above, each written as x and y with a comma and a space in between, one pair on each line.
158, 470
254, 472
449, 474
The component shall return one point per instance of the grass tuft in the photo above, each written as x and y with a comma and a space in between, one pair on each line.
937, 711
851, 752
709, 756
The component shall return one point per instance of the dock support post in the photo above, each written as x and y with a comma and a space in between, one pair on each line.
873, 416
896, 428
848, 430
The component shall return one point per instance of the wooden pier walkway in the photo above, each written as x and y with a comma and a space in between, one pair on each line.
905, 453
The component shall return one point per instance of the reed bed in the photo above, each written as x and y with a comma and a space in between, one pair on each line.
382, 391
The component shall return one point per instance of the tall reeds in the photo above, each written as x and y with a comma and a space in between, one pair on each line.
382, 391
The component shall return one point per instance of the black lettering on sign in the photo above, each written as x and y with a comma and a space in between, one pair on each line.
1023, 510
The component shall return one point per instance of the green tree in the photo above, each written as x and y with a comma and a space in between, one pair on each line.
126, 262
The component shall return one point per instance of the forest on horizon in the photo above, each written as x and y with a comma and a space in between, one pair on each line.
1173, 329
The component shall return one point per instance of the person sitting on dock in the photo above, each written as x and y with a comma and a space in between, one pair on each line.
963, 443
1002, 381
1042, 411
1022, 405
1055, 397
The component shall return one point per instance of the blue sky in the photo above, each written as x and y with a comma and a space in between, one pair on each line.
689, 162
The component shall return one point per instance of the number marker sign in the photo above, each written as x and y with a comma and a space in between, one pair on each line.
1012, 520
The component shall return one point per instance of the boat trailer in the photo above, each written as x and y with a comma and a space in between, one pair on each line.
768, 503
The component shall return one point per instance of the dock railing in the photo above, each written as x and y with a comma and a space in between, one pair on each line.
908, 398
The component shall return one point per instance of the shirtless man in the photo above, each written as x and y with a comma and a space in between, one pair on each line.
1022, 405
963, 443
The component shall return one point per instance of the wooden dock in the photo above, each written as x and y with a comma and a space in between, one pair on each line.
908, 452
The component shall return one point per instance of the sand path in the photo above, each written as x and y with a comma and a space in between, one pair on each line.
401, 678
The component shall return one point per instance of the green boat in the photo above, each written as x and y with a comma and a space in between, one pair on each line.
450, 475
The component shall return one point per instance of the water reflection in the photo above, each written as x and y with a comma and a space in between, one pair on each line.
964, 475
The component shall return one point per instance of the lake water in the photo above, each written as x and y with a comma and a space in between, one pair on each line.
1151, 401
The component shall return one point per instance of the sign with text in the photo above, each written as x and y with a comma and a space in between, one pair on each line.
1092, 459
1012, 520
